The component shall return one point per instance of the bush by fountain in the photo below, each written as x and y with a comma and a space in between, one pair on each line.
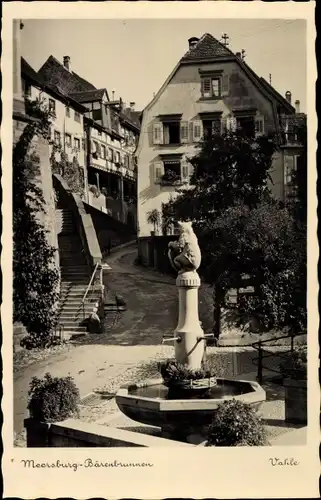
236, 424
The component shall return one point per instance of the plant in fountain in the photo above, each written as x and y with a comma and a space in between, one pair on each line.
176, 375
236, 424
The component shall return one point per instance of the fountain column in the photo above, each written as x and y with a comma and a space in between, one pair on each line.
189, 344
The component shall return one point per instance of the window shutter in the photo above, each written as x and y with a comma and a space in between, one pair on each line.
184, 132
158, 171
231, 123
225, 85
259, 125
158, 133
206, 87
185, 172
197, 130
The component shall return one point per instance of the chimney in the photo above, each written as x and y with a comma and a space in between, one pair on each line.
239, 55
67, 63
132, 106
192, 42
297, 106
113, 95
288, 96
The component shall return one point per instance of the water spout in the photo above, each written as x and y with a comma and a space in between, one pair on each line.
178, 339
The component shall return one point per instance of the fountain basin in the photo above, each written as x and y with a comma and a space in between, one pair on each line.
183, 413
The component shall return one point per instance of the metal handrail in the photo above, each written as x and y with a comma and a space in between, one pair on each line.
82, 305
90, 282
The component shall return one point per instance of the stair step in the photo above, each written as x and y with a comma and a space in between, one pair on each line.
73, 329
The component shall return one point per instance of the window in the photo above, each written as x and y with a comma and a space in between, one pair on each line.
172, 171
57, 138
83, 143
52, 106
77, 143
126, 161
246, 125
211, 127
111, 154
96, 114
99, 133
117, 158
103, 152
67, 111
171, 132
77, 117
68, 140
214, 85
290, 168
26, 89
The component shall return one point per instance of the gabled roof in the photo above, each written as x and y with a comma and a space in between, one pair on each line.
277, 95
54, 73
28, 73
206, 48
89, 95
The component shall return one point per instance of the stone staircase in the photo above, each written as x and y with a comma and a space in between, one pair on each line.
74, 278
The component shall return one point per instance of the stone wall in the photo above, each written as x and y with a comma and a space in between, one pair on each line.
108, 229
74, 433
43, 178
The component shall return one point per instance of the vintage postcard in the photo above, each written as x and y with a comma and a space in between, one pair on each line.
159, 251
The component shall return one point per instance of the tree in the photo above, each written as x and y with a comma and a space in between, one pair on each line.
242, 229
35, 276
154, 217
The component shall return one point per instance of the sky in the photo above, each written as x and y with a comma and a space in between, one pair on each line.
133, 57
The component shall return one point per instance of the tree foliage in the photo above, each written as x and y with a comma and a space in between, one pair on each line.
243, 230
35, 276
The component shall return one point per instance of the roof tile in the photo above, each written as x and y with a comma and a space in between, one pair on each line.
207, 47
54, 73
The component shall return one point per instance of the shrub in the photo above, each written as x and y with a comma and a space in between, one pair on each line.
236, 424
53, 399
295, 365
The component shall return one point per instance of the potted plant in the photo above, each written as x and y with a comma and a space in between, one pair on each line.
51, 399
236, 424
170, 177
294, 372
179, 377
154, 217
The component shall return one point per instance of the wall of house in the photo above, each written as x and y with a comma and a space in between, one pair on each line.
65, 125
183, 96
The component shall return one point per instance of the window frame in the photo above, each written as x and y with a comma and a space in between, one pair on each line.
57, 134
76, 115
67, 141
77, 140
52, 106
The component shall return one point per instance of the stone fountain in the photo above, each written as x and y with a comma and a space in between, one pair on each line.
185, 414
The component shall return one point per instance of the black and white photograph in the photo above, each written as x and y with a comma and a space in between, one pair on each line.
160, 257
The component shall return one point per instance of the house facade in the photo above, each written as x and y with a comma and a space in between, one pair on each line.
67, 118
110, 134
210, 90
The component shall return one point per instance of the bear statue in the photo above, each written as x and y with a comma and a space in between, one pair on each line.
185, 254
